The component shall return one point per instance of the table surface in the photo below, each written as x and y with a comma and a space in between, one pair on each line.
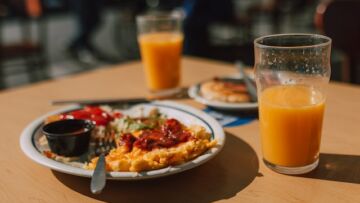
236, 174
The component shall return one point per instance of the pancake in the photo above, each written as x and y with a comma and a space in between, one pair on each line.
224, 91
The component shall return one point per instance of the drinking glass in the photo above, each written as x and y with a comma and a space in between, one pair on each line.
160, 39
291, 73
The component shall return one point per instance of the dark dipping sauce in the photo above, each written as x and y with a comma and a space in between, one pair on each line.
68, 137
168, 135
69, 127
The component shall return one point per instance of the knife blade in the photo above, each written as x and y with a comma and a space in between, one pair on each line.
181, 94
103, 101
249, 84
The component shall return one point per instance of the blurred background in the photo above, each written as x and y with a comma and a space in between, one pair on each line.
44, 39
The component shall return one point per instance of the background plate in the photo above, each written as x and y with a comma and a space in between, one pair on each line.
194, 92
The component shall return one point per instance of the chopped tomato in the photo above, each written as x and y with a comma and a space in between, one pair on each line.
93, 110
99, 120
117, 115
94, 113
80, 114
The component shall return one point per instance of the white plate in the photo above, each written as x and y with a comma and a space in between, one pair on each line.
186, 114
194, 92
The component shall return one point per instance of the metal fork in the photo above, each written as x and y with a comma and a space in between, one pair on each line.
98, 179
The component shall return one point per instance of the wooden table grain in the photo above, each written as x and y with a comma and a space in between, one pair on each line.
236, 174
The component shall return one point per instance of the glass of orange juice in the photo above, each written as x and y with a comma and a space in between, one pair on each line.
160, 39
291, 73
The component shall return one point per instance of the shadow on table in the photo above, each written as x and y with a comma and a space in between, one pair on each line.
337, 167
234, 168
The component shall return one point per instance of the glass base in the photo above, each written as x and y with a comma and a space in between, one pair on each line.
292, 170
165, 92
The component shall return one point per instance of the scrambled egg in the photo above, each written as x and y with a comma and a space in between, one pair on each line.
141, 160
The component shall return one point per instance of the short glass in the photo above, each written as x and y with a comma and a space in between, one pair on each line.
160, 39
291, 73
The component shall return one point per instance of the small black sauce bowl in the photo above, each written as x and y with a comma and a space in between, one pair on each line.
68, 137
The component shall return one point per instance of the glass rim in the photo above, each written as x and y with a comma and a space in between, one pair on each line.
160, 16
322, 44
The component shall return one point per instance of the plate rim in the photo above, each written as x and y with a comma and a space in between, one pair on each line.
28, 148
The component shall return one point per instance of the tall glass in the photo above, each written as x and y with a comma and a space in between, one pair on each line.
291, 72
160, 39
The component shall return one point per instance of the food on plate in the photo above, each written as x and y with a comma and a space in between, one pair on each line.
153, 142
225, 90
142, 142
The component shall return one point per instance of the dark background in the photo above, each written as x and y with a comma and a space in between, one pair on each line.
216, 29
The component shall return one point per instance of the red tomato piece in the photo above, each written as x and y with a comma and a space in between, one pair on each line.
99, 120
81, 114
117, 115
93, 110
94, 113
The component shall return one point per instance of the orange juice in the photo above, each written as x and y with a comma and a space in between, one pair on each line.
161, 54
290, 123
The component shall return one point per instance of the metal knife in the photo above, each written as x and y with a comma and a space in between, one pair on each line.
249, 84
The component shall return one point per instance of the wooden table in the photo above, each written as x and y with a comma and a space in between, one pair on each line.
237, 174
